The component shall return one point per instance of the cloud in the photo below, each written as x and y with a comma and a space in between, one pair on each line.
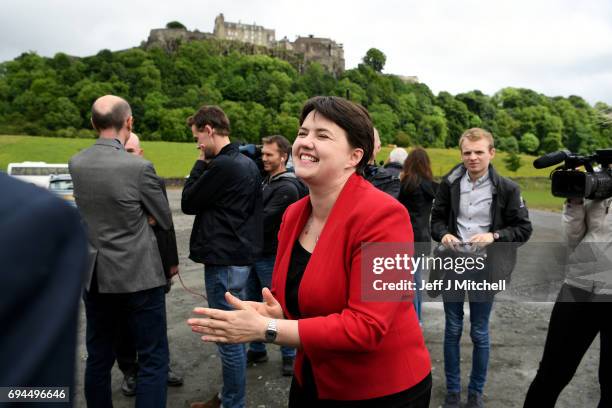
554, 47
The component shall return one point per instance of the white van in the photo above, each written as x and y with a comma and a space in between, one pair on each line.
38, 173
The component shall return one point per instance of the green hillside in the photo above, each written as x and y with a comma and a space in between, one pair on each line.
174, 160
263, 95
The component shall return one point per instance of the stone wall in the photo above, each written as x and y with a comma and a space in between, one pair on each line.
324, 51
248, 33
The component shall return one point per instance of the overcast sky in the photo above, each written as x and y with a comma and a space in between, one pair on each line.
560, 47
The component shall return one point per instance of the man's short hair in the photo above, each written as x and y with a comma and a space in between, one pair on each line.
212, 116
115, 118
474, 134
284, 147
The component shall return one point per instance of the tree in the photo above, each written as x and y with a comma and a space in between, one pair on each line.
385, 121
513, 162
529, 143
62, 114
175, 24
458, 117
551, 143
507, 144
284, 124
375, 59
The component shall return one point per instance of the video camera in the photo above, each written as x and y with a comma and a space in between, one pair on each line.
567, 182
253, 152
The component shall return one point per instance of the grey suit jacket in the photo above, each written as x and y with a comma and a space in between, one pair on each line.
114, 192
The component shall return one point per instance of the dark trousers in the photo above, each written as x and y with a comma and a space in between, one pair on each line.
125, 349
577, 317
416, 397
146, 316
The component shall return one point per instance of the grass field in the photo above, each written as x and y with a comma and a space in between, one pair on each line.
174, 160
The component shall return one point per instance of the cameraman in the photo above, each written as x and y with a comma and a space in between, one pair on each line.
583, 307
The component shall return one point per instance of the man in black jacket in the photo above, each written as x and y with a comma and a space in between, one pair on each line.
477, 207
279, 189
43, 253
395, 163
223, 191
380, 177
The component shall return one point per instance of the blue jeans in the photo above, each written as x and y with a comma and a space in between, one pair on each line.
418, 296
261, 277
219, 279
146, 315
479, 332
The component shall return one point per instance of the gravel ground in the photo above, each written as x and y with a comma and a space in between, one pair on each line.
518, 331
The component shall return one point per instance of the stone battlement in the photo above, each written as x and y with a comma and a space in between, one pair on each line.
324, 51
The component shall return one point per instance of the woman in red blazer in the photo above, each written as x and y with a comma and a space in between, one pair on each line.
351, 352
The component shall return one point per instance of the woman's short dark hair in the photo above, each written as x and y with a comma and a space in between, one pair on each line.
353, 118
212, 116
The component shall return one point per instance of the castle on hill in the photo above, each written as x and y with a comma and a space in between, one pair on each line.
324, 51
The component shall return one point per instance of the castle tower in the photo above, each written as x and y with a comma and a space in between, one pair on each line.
219, 30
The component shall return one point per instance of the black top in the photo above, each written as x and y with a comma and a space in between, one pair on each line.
418, 202
383, 179
278, 193
225, 197
305, 394
297, 266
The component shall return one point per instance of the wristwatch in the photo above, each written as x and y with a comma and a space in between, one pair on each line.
271, 331
496, 236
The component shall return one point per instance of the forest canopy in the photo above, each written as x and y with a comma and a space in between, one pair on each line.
262, 95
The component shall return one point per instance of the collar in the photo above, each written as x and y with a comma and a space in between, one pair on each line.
480, 180
459, 171
228, 148
115, 143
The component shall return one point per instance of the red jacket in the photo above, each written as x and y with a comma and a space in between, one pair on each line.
358, 350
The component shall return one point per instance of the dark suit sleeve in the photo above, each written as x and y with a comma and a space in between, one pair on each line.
166, 242
440, 212
43, 258
204, 185
153, 198
516, 217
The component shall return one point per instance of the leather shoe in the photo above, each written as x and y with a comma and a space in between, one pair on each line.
215, 402
128, 385
174, 379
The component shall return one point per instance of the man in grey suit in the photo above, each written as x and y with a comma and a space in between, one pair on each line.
115, 193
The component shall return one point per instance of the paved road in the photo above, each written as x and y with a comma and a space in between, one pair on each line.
518, 335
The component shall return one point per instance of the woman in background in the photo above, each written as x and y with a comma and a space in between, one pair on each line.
416, 194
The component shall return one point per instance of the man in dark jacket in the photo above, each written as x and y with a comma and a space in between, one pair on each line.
478, 207
380, 177
43, 253
279, 189
395, 163
223, 191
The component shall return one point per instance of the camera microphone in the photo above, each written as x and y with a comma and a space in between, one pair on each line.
550, 159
